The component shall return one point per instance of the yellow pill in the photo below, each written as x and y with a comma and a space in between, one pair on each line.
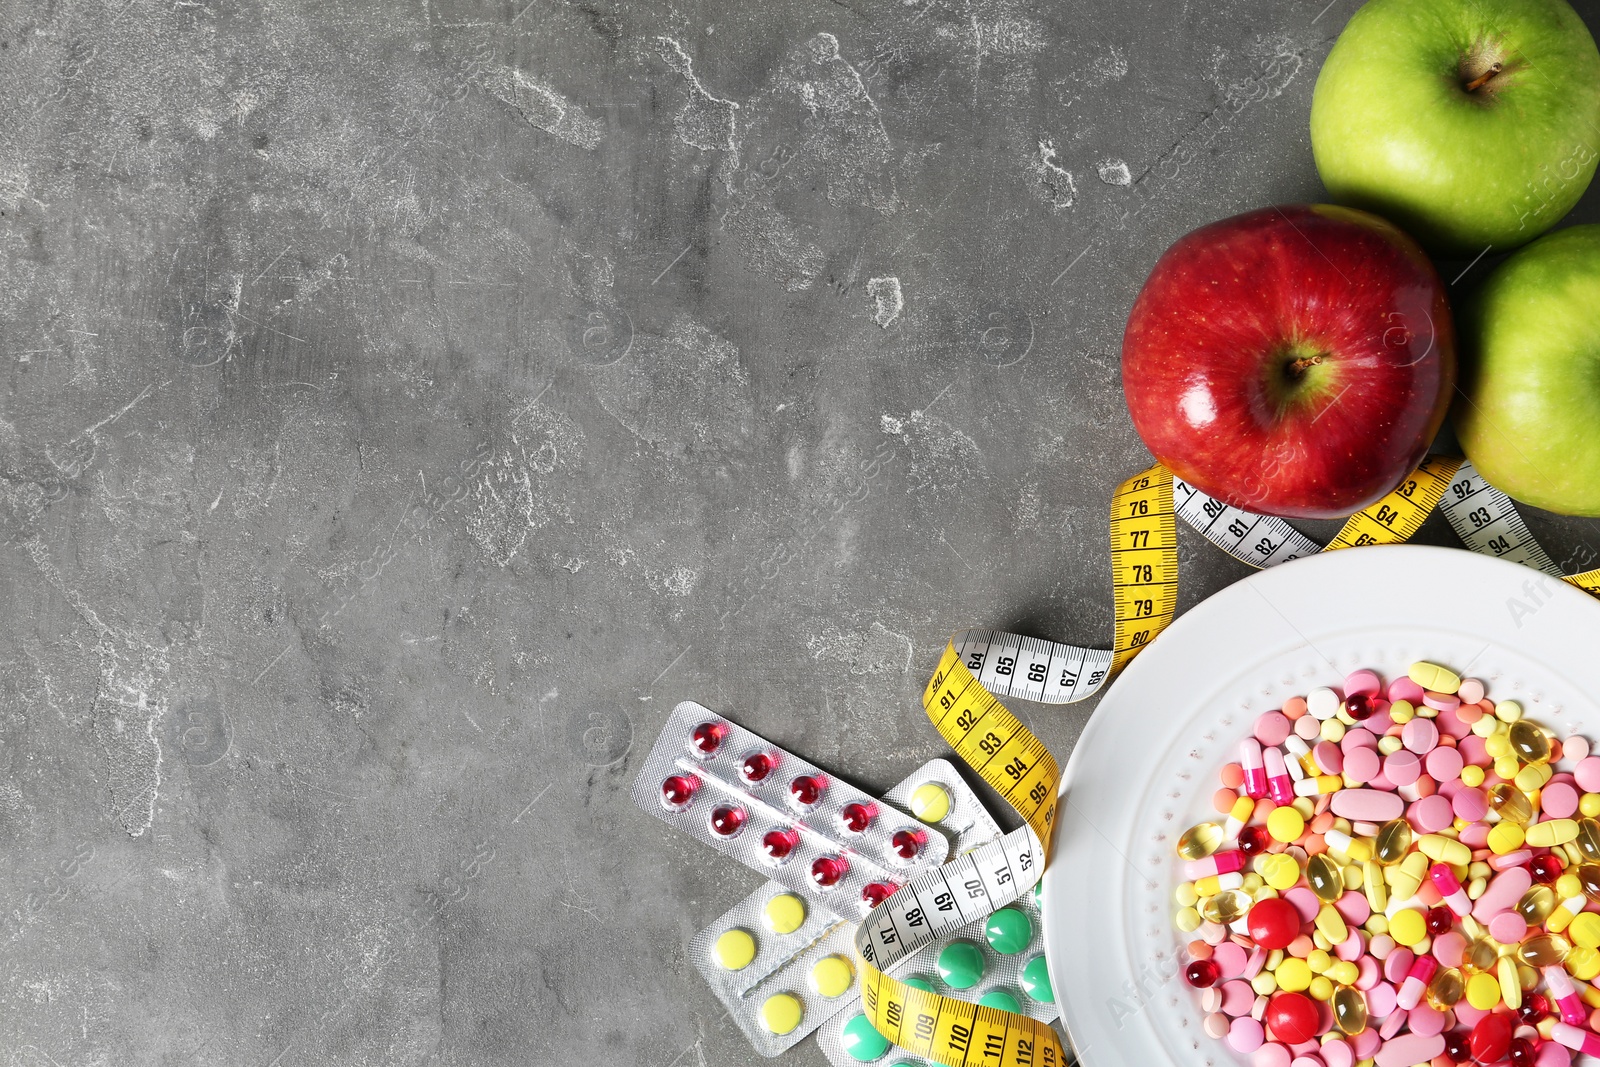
734, 950
1184, 895
1320, 988
1377, 889
1407, 926
1188, 920
1264, 984
1510, 982
1292, 975
1569, 885
1585, 930
1332, 730
1589, 804
1553, 832
1507, 766
1590, 995
1406, 879
1497, 746
1442, 849
1286, 825
1434, 677
1485, 727
1402, 711
1377, 923
1505, 837
1281, 871
1508, 711
1583, 964
1330, 924
1344, 973
1389, 744
785, 912
781, 1013
832, 976
1472, 776
1483, 991
1533, 776
1211, 885
1319, 961
931, 802
1252, 882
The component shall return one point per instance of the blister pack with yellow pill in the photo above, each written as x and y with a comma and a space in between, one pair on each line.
783, 966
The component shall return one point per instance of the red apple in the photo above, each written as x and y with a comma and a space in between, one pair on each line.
1295, 361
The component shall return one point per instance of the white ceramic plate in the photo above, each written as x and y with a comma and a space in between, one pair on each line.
1146, 766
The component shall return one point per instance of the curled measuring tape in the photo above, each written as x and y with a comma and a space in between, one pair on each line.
979, 667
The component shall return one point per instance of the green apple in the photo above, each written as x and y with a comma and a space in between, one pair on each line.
1529, 412
1471, 123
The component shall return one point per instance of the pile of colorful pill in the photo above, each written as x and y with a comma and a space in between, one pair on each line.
1403, 874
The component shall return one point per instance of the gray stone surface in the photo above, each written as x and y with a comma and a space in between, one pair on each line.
407, 404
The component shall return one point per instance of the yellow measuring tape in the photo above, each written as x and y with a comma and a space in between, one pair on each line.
978, 667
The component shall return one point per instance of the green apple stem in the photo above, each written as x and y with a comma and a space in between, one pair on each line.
1483, 79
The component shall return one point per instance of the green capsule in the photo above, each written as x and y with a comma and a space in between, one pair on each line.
1510, 803
1393, 842
1227, 907
1588, 840
1200, 841
1446, 988
1349, 1010
1543, 950
1529, 742
1537, 904
1325, 878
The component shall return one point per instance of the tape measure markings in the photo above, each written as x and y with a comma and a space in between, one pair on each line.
1400, 514
1144, 562
1051, 673
1281, 542
1488, 522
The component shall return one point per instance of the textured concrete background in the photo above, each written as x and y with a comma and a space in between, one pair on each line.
408, 403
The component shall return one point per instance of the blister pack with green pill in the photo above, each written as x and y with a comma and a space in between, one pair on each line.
997, 961
783, 966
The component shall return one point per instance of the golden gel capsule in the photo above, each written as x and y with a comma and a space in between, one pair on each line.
1537, 904
1325, 878
1200, 841
1481, 955
1589, 880
1543, 950
1393, 841
1588, 840
1349, 1010
1529, 743
1227, 907
1509, 802
1446, 988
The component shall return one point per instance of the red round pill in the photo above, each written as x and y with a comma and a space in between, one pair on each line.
777, 844
677, 791
876, 893
907, 844
1545, 869
1292, 1018
827, 870
1202, 974
727, 820
1358, 706
856, 817
707, 737
1522, 1053
757, 766
1253, 840
1491, 1037
806, 790
1273, 923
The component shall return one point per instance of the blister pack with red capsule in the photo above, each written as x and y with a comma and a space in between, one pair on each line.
778, 814
782, 967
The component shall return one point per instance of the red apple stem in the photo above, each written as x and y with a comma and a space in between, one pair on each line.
1481, 80
1299, 366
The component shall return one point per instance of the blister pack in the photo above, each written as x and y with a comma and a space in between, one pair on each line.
997, 961
823, 839
783, 967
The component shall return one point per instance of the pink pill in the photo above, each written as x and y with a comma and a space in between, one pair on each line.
1403, 767
1404, 688
1432, 814
1365, 1043
1441, 701
1364, 682
1273, 728
1380, 723
1469, 803
1444, 764
1423, 1019
1473, 752
1307, 727
1329, 758
1381, 1000
1476, 835
1271, 1054
1361, 764
1216, 1025
1368, 973
1308, 1059
1304, 901
1558, 800
1398, 965
1337, 1053
1510, 859
1508, 927
1449, 948
1358, 738
1575, 748
1230, 959
1409, 1049
1587, 774
1381, 946
1552, 1054
1237, 998
1368, 805
1470, 690
1466, 1015
1419, 735
1450, 722
1211, 1003
1352, 948
1252, 966
1353, 908
1503, 892
1245, 1035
